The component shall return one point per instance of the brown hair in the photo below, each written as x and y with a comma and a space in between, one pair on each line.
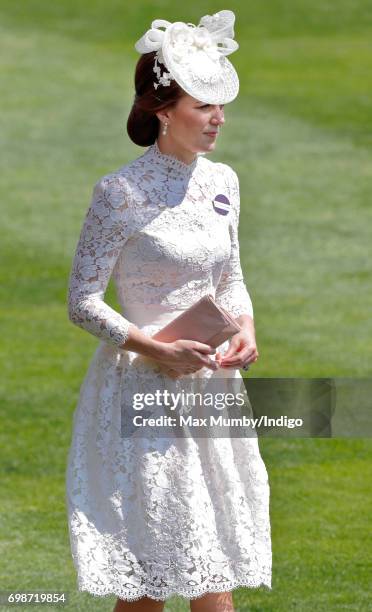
143, 124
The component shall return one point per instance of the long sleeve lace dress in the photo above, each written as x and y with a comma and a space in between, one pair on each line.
159, 516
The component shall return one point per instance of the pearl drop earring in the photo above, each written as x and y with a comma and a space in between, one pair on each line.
165, 127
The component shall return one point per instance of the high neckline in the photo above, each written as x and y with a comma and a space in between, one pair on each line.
171, 162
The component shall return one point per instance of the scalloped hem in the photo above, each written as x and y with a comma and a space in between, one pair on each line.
163, 595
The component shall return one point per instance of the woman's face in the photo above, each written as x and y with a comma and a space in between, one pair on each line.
193, 125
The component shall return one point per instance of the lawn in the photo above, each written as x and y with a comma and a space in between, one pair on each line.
299, 137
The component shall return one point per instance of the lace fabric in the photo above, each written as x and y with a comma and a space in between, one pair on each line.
153, 227
159, 517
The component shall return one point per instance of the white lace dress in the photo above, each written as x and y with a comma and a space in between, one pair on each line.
164, 516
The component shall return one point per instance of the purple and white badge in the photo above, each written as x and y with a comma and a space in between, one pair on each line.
221, 204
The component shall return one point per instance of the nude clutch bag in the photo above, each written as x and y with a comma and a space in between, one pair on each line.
204, 321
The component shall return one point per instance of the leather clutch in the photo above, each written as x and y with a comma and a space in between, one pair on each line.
204, 321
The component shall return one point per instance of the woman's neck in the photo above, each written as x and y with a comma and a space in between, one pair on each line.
168, 147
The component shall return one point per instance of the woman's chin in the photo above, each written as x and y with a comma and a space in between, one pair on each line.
209, 147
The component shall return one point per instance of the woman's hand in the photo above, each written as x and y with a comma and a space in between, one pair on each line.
183, 357
242, 350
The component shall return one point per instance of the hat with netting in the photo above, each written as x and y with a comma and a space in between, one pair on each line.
195, 56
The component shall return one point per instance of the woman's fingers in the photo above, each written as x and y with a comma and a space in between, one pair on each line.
244, 358
203, 348
209, 363
232, 350
237, 361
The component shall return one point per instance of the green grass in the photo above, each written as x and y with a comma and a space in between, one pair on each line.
299, 136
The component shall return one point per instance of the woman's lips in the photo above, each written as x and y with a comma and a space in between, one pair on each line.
211, 134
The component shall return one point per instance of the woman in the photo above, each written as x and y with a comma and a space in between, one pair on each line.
150, 518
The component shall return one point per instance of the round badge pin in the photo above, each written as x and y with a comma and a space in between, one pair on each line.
221, 204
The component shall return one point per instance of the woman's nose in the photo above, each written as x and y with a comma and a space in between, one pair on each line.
218, 115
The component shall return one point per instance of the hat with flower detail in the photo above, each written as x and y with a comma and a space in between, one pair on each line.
195, 56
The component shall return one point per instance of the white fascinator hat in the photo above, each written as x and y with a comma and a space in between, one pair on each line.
195, 56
